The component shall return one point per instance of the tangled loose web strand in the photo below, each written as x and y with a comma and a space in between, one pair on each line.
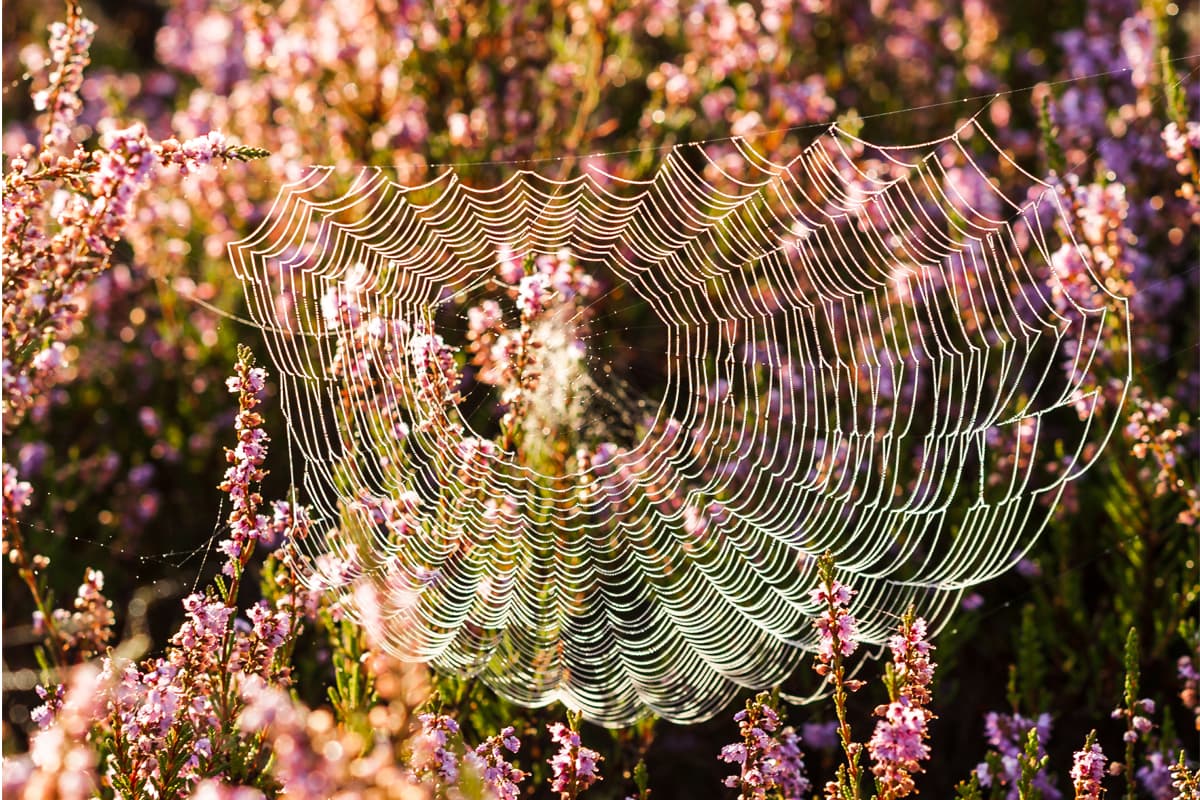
856, 352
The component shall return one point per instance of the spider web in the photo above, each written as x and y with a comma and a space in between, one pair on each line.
858, 354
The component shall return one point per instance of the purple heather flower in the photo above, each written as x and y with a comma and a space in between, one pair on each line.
431, 755
533, 294
436, 373
820, 735
1006, 733
44, 714
1177, 142
502, 777
574, 767
1155, 776
1087, 772
769, 761
972, 601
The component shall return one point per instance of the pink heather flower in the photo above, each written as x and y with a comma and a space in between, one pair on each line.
1087, 772
769, 762
246, 525
838, 593
16, 493
195, 152
269, 630
60, 762
574, 767
251, 381
432, 753
843, 628
44, 714
304, 769
1140, 49
898, 745
499, 775
533, 294
434, 368
340, 309
1139, 724
488, 342
1177, 141
70, 46
88, 629
910, 658
485, 317
509, 266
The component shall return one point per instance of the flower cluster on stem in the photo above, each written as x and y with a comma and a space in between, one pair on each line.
1009, 736
770, 758
574, 767
433, 756
246, 525
1184, 780
1087, 770
838, 630
498, 774
898, 745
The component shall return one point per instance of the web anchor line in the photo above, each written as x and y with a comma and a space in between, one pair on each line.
867, 350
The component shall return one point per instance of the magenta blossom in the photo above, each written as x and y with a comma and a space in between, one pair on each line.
771, 764
1087, 771
489, 758
574, 766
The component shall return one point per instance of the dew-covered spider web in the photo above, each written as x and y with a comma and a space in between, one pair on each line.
584, 438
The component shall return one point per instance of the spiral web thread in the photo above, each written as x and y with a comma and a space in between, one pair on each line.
855, 363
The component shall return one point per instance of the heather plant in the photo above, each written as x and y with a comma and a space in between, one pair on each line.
115, 256
769, 756
52, 250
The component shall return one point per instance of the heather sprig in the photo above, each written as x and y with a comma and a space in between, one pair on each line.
30, 566
491, 759
1031, 763
837, 630
574, 767
247, 525
1133, 711
1009, 762
1087, 770
1185, 780
769, 758
434, 756
898, 745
